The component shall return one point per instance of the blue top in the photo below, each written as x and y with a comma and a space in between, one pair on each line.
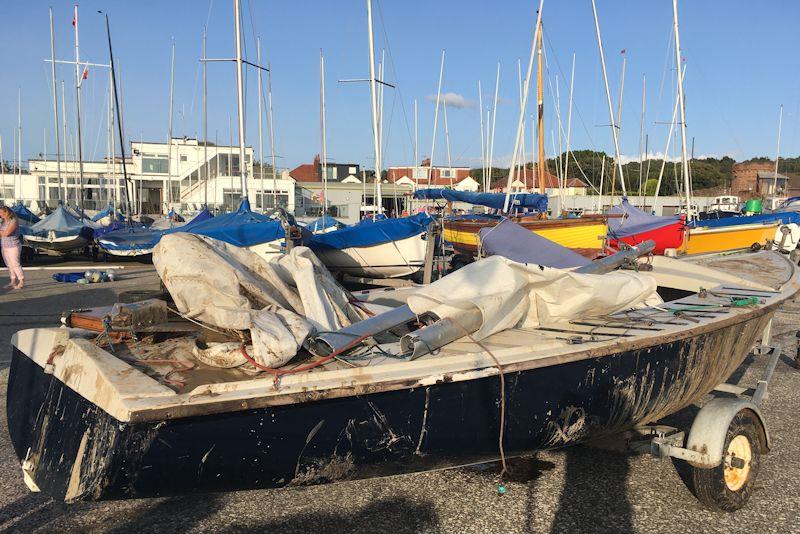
635, 221
497, 201
140, 237
783, 217
367, 235
323, 223
242, 228
62, 222
25, 214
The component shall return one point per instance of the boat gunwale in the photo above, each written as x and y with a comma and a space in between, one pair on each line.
249, 394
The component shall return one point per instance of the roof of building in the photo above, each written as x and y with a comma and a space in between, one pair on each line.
307, 172
530, 180
770, 175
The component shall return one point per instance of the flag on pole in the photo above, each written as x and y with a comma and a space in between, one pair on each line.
86, 72
75, 19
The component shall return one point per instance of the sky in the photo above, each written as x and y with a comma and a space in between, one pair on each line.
740, 63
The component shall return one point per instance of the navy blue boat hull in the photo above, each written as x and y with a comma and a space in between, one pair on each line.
76, 451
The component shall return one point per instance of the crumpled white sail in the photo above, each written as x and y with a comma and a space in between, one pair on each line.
510, 294
281, 301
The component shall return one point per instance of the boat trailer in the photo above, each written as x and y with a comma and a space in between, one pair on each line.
726, 440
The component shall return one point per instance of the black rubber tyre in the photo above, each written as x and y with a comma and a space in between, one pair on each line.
724, 487
460, 260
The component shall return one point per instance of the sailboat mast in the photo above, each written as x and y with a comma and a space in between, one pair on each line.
374, 100
435, 119
66, 152
128, 206
416, 144
78, 109
205, 122
536, 39
777, 154
540, 108
260, 126
565, 164
684, 159
18, 182
608, 98
168, 186
240, 96
494, 123
272, 139
641, 139
55, 101
447, 142
483, 139
324, 167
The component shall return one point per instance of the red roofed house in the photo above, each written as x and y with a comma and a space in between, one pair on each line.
526, 180
458, 177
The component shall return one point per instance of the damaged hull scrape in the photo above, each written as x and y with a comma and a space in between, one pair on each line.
77, 451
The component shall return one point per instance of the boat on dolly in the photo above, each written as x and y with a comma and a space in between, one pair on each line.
98, 413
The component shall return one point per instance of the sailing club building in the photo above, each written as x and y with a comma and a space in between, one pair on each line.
181, 175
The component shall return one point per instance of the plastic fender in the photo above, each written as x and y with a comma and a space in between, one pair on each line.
710, 428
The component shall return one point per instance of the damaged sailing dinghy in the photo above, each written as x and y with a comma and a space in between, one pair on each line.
580, 355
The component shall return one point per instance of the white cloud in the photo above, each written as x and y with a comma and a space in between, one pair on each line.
453, 100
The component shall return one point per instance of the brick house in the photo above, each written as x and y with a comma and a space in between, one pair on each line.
757, 179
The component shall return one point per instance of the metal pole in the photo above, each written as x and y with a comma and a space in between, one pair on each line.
435, 120
55, 100
483, 140
169, 136
324, 168
536, 39
78, 110
608, 98
684, 159
565, 165
260, 126
374, 99
64, 124
777, 156
205, 121
19, 142
240, 97
416, 145
272, 140
490, 142
641, 139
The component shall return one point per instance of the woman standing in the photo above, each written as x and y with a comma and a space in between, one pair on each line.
11, 247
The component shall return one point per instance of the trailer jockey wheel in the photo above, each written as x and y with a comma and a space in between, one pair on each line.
728, 486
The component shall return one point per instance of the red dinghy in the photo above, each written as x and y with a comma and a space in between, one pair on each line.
636, 226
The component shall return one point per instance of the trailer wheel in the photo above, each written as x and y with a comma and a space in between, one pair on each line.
728, 486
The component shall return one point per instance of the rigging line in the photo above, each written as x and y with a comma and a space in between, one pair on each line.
394, 73
99, 117
577, 109
667, 64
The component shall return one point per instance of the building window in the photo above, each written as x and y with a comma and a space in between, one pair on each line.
183, 158
448, 173
155, 165
339, 211
352, 170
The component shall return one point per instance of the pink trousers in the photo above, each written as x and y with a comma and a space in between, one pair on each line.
11, 259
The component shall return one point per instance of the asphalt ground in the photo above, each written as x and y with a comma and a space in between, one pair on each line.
581, 489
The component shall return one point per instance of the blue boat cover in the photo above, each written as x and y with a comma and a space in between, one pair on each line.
68, 277
25, 214
140, 237
323, 223
497, 201
783, 217
512, 241
242, 228
62, 222
109, 211
635, 221
367, 235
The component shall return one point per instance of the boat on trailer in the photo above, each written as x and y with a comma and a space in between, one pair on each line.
60, 232
100, 413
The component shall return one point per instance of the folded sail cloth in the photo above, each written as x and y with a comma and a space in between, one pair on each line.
280, 301
635, 221
497, 201
510, 294
512, 241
